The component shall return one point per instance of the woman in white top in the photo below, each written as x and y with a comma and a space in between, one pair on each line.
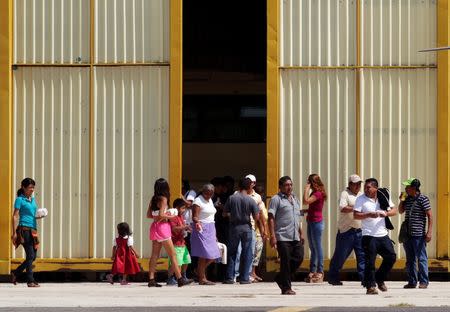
203, 237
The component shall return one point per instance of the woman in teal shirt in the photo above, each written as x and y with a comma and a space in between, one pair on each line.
25, 229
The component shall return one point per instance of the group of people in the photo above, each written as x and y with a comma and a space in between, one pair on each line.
221, 224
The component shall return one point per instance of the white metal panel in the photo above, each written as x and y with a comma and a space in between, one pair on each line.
51, 145
398, 133
318, 32
317, 135
132, 31
51, 31
130, 150
392, 31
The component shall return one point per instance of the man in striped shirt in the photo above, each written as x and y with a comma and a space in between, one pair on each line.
417, 209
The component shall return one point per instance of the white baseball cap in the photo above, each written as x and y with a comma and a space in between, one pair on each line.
251, 177
354, 178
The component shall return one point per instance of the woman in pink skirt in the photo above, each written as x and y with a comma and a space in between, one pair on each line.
161, 232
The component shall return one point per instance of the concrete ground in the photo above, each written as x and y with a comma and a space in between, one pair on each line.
254, 297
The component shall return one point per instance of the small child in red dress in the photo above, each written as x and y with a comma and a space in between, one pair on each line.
123, 255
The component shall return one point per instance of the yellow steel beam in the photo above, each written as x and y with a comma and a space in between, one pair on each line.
435, 265
6, 194
443, 131
84, 264
176, 96
91, 130
273, 120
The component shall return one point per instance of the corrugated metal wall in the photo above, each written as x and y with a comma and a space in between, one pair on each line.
130, 148
397, 106
131, 31
51, 144
318, 33
51, 31
52, 116
318, 134
392, 31
398, 132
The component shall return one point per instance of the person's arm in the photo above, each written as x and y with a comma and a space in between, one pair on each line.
307, 198
14, 223
113, 256
195, 217
162, 204
149, 210
273, 239
430, 225
359, 215
343, 203
226, 209
300, 232
134, 251
401, 206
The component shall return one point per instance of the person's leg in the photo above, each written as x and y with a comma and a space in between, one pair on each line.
342, 250
253, 247
423, 261
313, 257
370, 253
319, 230
257, 255
283, 278
237, 261
168, 246
410, 252
297, 252
201, 267
386, 251
156, 249
30, 255
359, 253
233, 243
247, 255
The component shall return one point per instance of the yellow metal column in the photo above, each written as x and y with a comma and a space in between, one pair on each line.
5, 134
443, 132
273, 114
176, 96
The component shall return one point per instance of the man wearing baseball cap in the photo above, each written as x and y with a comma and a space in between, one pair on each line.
417, 209
349, 235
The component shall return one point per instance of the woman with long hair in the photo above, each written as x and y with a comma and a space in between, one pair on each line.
161, 232
24, 227
315, 195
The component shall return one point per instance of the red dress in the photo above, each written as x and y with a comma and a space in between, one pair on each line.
125, 261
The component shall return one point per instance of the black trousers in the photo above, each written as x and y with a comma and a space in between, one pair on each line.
291, 257
373, 246
28, 246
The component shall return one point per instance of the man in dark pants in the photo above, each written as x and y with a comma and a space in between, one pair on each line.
375, 236
349, 236
239, 207
286, 233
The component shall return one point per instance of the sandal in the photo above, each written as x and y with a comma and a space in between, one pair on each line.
33, 284
153, 283
207, 283
110, 279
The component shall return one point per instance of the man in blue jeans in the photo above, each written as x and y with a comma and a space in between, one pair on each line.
239, 207
417, 209
349, 235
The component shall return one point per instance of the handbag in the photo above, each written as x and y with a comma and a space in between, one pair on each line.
405, 231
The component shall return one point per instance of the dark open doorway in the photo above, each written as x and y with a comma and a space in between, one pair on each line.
224, 97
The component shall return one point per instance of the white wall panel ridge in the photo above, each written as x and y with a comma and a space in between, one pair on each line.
51, 31
318, 32
51, 145
131, 31
317, 134
130, 149
393, 31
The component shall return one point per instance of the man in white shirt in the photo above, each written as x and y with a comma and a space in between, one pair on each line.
349, 235
375, 236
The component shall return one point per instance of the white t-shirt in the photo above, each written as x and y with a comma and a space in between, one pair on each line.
375, 227
207, 209
190, 195
129, 239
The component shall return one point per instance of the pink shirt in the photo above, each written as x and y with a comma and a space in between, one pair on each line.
315, 209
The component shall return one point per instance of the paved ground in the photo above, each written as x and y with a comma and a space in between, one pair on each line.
256, 297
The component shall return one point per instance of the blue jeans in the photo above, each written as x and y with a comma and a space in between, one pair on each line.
345, 243
416, 252
240, 234
28, 246
315, 230
237, 266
